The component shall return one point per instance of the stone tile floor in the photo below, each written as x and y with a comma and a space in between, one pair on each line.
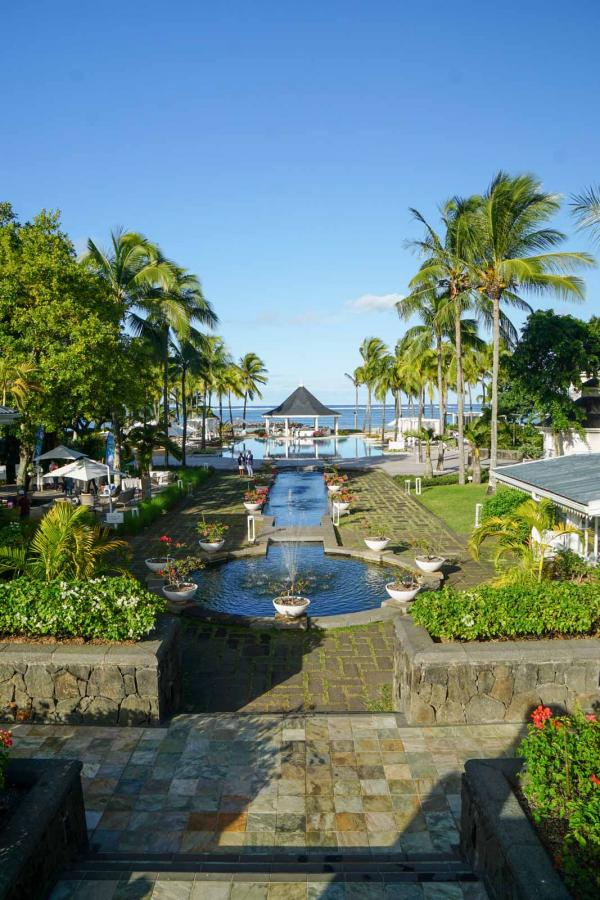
255, 785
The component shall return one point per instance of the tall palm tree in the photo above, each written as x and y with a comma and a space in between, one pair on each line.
356, 384
586, 209
511, 250
387, 377
186, 361
446, 266
372, 351
253, 374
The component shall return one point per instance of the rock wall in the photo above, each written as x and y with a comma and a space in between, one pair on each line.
121, 684
476, 683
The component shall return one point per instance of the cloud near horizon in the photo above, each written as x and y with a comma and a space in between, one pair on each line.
368, 303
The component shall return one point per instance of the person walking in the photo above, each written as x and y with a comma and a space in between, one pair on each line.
249, 463
52, 468
241, 464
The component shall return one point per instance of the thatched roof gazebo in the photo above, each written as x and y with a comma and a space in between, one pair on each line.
301, 404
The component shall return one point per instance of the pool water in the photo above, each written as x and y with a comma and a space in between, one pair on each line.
247, 586
348, 447
297, 498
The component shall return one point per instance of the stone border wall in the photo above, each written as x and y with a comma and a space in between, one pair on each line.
106, 684
476, 683
497, 838
45, 831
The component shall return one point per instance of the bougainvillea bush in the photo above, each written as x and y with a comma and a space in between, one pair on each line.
5, 745
114, 609
561, 782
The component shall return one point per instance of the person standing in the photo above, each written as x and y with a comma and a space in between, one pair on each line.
52, 468
241, 463
249, 463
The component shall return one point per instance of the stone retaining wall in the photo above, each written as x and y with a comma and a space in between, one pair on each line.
473, 683
113, 684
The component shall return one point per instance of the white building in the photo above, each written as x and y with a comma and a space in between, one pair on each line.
569, 442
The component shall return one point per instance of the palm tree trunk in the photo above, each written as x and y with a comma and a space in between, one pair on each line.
355, 406
230, 410
368, 410
245, 405
495, 373
184, 418
166, 397
383, 421
470, 398
397, 414
420, 419
459, 392
476, 465
203, 437
428, 466
220, 417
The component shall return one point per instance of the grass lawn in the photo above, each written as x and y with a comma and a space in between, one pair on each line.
455, 504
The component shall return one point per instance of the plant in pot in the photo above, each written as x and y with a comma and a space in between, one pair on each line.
428, 560
375, 540
158, 563
404, 589
178, 588
343, 499
253, 500
212, 535
290, 602
335, 482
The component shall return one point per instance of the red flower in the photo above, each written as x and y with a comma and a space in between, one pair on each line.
591, 717
5, 738
540, 715
594, 779
165, 539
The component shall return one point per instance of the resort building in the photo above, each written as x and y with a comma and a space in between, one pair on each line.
588, 441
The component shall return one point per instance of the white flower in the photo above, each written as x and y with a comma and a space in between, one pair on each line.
469, 621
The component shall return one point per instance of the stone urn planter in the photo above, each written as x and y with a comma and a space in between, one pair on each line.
291, 605
334, 488
342, 505
212, 546
403, 593
252, 507
377, 543
430, 563
158, 563
180, 593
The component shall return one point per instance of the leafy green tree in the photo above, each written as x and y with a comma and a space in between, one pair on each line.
144, 440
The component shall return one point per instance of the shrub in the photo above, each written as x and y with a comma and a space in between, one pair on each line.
561, 781
511, 611
113, 609
437, 480
151, 510
504, 501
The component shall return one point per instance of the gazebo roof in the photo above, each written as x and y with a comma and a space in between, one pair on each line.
301, 403
571, 481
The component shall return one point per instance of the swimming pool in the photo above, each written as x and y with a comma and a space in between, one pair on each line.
347, 447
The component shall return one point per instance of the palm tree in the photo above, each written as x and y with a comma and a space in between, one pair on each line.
186, 361
511, 251
372, 351
477, 436
425, 436
235, 387
356, 383
446, 266
387, 377
253, 373
65, 545
525, 534
586, 209
144, 440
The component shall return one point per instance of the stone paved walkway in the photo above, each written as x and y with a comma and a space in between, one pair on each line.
358, 785
382, 507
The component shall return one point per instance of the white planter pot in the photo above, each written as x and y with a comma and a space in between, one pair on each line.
252, 507
377, 544
403, 596
212, 547
287, 609
159, 563
342, 506
182, 595
430, 565
334, 488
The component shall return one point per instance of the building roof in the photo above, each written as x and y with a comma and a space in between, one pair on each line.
8, 415
301, 403
573, 481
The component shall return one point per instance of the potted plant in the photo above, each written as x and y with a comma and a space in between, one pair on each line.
335, 481
158, 563
404, 589
253, 500
343, 499
178, 588
429, 560
212, 535
375, 541
290, 602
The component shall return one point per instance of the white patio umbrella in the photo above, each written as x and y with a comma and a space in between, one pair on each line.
60, 452
85, 469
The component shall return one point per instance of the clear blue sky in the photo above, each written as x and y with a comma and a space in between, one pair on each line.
274, 147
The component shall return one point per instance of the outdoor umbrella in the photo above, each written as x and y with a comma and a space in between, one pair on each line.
60, 452
85, 469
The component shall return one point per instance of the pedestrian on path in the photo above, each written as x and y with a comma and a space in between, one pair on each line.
249, 464
241, 464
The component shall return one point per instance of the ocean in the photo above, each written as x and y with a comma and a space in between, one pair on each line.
347, 417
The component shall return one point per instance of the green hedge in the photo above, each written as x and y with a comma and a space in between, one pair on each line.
450, 478
114, 609
151, 510
484, 613
504, 501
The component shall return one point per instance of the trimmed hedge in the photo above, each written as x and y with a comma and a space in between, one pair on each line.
486, 612
436, 480
114, 609
151, 510
504, 501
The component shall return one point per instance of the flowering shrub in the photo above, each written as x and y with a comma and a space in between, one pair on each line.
212, 532
5, 745
344, 496
114, 609
561, 781
487, 612
254, 496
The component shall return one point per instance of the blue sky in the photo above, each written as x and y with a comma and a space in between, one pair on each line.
274, 148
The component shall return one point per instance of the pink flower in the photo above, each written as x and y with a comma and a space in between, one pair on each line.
540, 715
591, 717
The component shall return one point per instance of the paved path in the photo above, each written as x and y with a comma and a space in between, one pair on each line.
361, 789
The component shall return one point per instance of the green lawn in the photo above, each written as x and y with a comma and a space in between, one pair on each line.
455, 504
